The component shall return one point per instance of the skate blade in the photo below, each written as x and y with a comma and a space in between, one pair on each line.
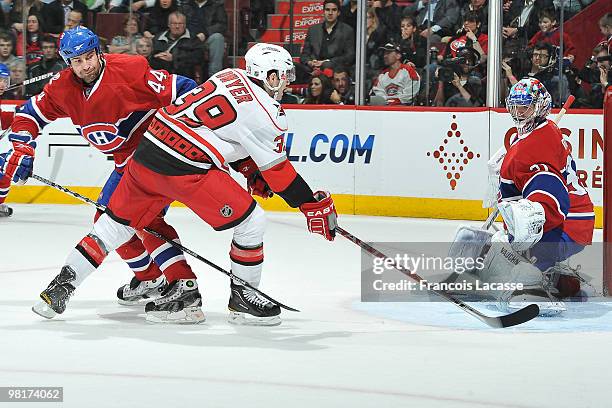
243, 319
42, 309
191, 315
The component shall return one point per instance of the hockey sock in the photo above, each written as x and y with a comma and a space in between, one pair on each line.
5, 184
136, 256
170, 259
86, 257
247, 262
246, 253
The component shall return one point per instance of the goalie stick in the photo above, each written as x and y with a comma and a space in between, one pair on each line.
520, 316
168, 240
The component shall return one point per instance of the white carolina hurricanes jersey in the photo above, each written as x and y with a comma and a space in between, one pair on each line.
225, 119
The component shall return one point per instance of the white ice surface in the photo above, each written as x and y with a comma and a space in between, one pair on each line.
338, 352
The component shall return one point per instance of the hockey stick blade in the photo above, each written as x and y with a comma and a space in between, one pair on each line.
168, 240
520, 316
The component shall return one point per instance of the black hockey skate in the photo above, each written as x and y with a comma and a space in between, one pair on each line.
55, 297
247, 307
5, 211
180, 303
137, 291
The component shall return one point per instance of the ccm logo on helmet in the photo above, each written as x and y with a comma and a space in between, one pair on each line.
103, 136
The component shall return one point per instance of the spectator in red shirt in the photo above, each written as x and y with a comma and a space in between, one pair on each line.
33, 36
549, 33
470, 36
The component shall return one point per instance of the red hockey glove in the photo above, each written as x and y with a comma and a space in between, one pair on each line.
18, 163
321, 216
255, 182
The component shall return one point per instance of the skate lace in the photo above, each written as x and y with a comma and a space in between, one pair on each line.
255, 298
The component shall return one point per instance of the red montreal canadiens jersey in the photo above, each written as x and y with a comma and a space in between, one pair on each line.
116, 111
539, 167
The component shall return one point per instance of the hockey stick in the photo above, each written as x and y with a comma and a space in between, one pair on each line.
53, 175
564, 108
520, 316
490, 219
31, 80
165, 239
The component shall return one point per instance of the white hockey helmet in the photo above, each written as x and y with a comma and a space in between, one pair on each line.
263, 58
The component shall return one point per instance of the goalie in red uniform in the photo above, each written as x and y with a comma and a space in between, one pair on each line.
233, 119
548, 215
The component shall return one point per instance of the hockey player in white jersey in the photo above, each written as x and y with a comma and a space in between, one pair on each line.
232, 120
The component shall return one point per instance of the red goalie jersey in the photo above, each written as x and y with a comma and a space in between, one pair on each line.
111, 115
539, 167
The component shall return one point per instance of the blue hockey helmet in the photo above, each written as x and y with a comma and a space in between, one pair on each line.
77, 41
5, 74
4, 71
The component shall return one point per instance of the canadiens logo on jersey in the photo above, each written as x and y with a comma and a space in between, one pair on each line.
104, 136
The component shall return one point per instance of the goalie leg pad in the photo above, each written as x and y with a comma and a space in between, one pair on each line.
504, 265
469, 243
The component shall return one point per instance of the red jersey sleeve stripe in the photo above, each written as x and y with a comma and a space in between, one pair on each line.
279, 177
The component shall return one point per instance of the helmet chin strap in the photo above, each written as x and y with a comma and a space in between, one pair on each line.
274, 90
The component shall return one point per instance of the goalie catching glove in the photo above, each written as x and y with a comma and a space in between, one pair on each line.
321, 215
524, 220
18, 162
256, 185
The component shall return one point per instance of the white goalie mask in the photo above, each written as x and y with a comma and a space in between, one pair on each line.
263, 58
529, 104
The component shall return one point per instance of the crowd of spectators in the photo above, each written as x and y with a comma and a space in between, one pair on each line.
446, 42
417, 52
184, 37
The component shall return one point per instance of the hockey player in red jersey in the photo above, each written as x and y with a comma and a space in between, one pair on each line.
111, 99
548, 215
230, 120
5, 182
